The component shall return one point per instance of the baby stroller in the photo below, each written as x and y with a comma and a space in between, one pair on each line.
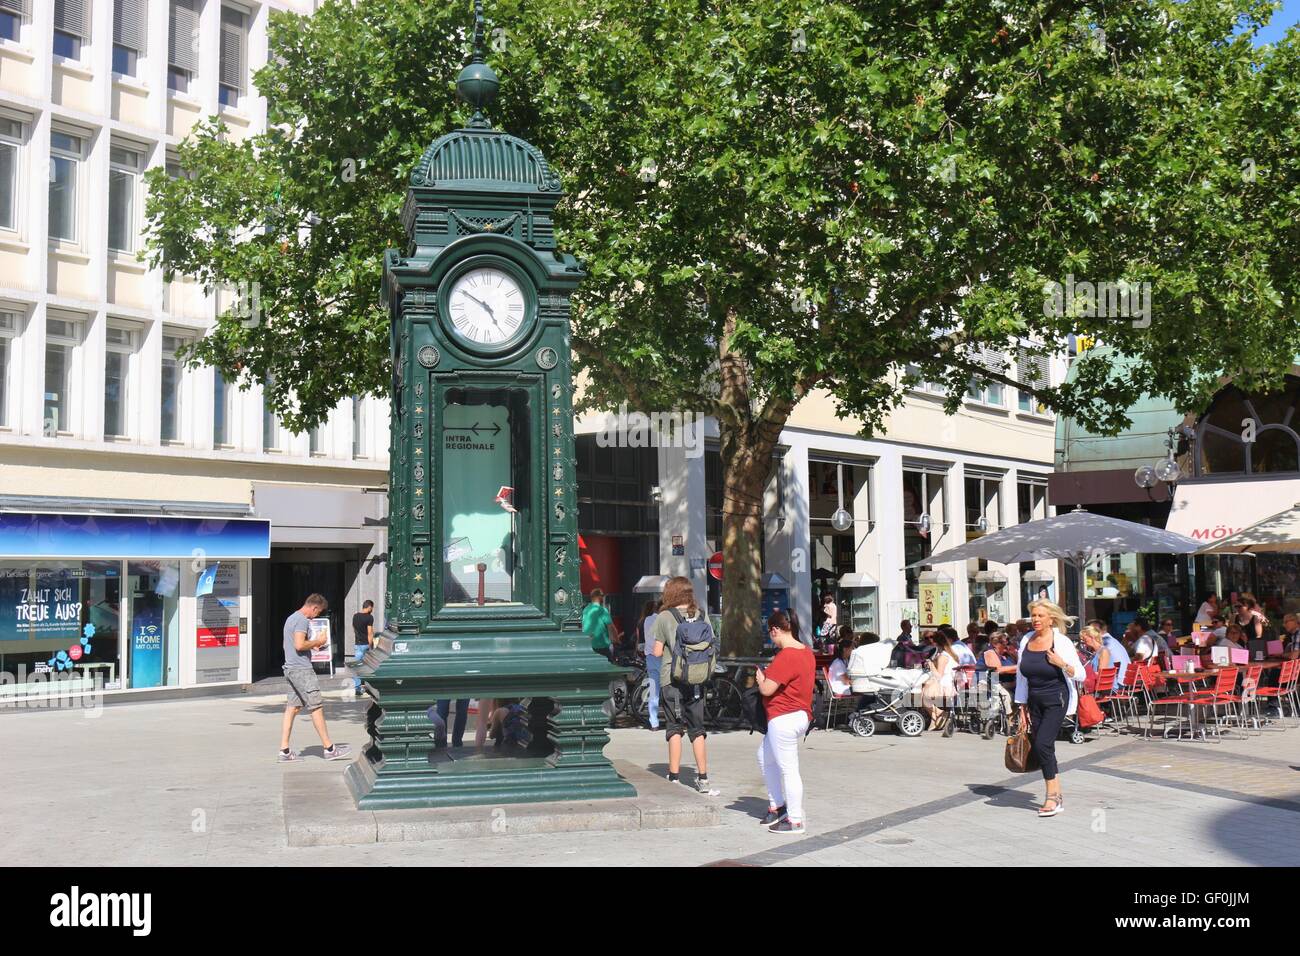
890, 696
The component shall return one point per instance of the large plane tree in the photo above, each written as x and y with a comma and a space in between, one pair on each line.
777, 196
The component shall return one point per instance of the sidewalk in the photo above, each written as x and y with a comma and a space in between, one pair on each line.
196, 782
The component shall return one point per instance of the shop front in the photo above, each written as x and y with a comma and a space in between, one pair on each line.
1211, 509
124, 602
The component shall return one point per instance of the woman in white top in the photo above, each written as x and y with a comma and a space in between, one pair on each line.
839, 671
1047, 690
1209, 608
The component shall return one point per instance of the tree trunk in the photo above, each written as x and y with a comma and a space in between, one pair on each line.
746, 469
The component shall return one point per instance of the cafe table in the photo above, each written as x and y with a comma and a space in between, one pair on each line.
1187, 685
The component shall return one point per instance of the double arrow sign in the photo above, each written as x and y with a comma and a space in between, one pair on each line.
472, 428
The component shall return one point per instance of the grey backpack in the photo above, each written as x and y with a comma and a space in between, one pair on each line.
694, 651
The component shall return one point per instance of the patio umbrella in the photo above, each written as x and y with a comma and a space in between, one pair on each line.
1279, 532
1075, 537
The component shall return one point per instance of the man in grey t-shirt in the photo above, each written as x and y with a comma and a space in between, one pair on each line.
304, 689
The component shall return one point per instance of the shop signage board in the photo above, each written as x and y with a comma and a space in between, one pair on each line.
320, 627
935, 603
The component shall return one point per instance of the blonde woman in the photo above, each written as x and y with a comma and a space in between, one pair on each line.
1047, 675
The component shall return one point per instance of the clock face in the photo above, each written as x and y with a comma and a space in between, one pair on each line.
486, 306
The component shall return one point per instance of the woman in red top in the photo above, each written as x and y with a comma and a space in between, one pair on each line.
787, 688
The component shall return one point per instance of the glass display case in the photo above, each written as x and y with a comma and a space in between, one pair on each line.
859, 602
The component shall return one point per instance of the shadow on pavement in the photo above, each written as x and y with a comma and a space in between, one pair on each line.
1003, 797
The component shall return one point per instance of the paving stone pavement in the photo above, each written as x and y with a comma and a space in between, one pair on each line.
195, 782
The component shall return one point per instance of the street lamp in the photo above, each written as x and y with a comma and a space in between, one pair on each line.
1166, 469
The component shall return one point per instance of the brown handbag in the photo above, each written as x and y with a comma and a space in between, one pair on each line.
1019, 756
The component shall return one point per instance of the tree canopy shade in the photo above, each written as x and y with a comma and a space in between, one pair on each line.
775, 196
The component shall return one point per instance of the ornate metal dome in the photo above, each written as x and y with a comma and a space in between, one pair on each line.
484, 159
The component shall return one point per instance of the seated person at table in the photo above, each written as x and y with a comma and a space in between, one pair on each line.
838, 674
992, 659
1291, 636
1165, 638
1234, 636
904, 647
1106, 651
965, 656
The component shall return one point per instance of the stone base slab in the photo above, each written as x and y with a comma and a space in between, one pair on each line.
319, 811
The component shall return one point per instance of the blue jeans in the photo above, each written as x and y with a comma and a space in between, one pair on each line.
462, 715
361, 652
652, 665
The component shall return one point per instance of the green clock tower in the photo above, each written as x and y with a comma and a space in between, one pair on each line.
483, 591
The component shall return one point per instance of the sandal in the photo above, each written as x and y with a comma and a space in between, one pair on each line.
1055, 801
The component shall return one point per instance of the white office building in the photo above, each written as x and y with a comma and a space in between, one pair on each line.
156, 523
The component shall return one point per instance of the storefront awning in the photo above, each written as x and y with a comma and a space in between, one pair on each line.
1211, 510
55, 535
1038, 576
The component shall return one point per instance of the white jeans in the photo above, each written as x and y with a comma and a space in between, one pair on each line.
778, 761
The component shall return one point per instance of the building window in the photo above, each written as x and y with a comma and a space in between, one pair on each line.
123, 187
1033, 370
70, 28
11, 140
925, 517
120, 346
980, 389
224, 410
173, 380
234, 55
358, 427
1250, 434
66, 152
8, 332
182, 44
986, 392
272, 431
982, 502
316, 440
922, 385
62, 339
12, 15
1031, 500
130, 27
834, 551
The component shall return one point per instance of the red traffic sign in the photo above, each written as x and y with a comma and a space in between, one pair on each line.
715, 565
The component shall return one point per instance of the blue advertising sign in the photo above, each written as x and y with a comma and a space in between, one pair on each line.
137, 536
147, 647
50, 609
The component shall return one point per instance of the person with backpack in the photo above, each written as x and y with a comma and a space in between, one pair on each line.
787, 689
687, 650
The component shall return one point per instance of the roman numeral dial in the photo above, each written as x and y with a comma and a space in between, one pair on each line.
486, 306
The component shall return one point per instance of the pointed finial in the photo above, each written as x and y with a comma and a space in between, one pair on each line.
477, 83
